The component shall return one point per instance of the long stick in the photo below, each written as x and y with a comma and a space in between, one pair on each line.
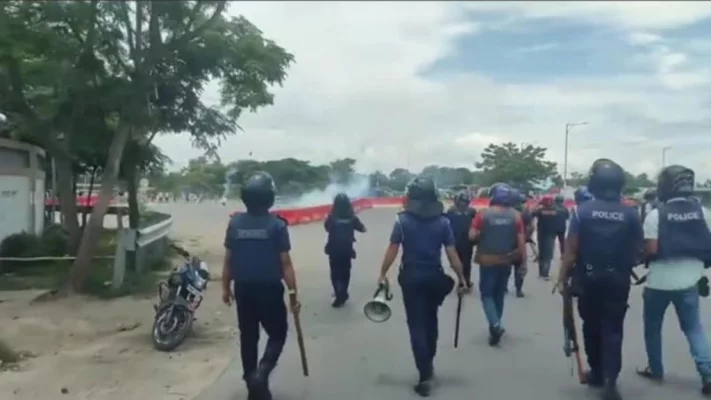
456, 324
302, 349
578, 358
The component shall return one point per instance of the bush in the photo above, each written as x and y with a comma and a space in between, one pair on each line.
21, 245
55, 241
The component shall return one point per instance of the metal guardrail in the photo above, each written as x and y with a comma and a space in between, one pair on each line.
154, 232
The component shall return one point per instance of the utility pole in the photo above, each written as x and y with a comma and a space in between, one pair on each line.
568, 127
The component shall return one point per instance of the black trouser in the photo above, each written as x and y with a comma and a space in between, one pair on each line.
602, 306
260, 304
561, 241
340, 264
422, 302
546, 244
518, 276
465, 253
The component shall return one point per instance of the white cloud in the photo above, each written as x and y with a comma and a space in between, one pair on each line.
356, 89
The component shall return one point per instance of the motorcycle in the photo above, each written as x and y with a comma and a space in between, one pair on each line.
180, 296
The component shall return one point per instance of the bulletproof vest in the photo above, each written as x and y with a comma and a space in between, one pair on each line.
547, 220
422, 241
341, 234
461, 222
561, 218
252, 240
498, 235
683, 232
606, 239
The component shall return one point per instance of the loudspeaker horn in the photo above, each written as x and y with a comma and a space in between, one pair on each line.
378, 310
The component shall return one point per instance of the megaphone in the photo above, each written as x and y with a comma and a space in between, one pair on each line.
378, 310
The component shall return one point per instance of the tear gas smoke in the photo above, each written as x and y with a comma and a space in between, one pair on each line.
357, 187
228, 182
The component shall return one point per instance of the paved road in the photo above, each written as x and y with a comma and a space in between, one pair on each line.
353, 359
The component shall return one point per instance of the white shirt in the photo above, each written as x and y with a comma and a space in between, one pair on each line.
671, 274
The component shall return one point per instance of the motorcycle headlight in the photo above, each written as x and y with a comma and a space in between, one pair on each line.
199, 283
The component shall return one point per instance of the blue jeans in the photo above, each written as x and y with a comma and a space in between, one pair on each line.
686, 305
493, 281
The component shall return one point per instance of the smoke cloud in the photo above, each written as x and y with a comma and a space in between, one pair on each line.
357, 187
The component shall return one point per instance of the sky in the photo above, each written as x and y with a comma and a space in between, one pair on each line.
398, 84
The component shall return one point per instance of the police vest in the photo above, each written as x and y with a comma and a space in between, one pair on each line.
606, 236
561, 218
253, 242
547, 220
422, 241
341, 234
683, 232
498, 234
461, 222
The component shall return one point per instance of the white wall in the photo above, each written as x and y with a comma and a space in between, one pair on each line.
14, 205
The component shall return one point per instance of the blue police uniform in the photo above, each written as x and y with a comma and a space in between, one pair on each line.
609, 238
256, 242
546, 229
460, 219
339, 247
423, 281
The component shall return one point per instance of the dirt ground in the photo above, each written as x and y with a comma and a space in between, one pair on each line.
85, 348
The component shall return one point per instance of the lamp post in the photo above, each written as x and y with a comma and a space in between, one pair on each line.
664, 155
568, 127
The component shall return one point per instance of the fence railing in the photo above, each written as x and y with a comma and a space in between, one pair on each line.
150, 244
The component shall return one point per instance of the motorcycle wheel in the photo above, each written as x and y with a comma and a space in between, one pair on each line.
170, 327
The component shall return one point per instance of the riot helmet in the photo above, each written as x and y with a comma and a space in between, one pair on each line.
607, 179
582, 194
342, 207
517, 199
258, 192
502, 195
650, 194
462, 199
421, 198
559, 199
493, 187
675, 181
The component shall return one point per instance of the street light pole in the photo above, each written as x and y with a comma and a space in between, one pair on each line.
568, 127
664, 156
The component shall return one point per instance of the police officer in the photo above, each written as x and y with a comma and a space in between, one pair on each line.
678, 241
341, 225
257, 259
501, 240
460, 217
422, 230
561, 221
527, 218
604, 240
547, 229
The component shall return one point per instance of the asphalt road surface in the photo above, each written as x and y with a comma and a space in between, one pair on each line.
351, 358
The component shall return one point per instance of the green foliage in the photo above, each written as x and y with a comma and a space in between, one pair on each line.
524, 166
21, 245
55, 241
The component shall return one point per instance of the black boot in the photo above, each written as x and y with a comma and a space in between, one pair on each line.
424, 388
495, 334
258, 384
593, 379
519, 293
610, 392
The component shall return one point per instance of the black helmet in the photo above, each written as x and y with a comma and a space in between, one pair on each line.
462, 198
258, 192
607, 179
675, 181
650, 194
559, 199
421, 198
342, 207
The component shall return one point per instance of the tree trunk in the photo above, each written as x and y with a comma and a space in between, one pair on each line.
68, 202
85, 212
132, 190
82, 265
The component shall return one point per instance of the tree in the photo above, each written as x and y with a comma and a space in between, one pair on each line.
136, 69
523, 166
